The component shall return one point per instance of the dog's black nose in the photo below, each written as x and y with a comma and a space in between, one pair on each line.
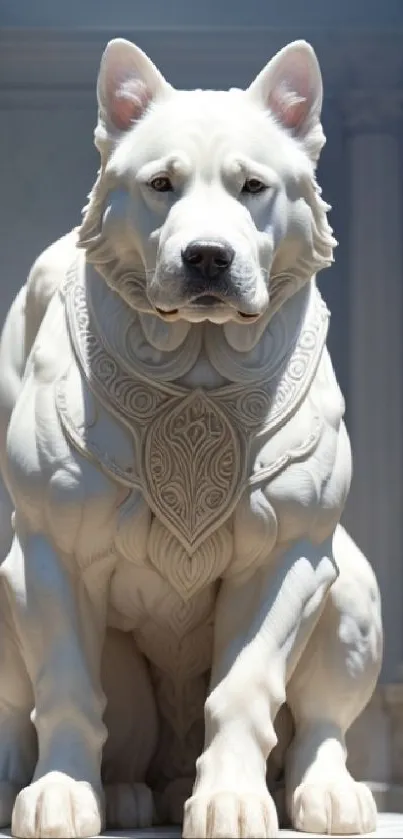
209, 257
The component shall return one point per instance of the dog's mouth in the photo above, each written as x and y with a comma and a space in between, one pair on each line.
208, 301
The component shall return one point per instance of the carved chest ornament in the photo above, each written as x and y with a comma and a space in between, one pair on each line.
193, 449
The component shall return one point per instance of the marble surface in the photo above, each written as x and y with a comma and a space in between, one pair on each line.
390, 827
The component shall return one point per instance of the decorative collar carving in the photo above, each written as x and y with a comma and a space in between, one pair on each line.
191, 447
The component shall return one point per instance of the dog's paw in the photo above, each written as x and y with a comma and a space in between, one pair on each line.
129, 806
56, 806
230, 815
339, 807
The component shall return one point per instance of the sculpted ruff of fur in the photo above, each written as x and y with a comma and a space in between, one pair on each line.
187, 633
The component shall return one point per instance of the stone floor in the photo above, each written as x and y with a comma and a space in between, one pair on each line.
390, 827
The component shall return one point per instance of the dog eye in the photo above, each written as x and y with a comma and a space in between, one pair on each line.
253, 186
161, 184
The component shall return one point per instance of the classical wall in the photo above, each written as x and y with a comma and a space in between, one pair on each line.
47, 115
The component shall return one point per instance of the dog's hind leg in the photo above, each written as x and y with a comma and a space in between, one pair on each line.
331, 685
18, 744
131, 721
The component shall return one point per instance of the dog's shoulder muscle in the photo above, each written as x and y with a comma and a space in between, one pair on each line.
45, 277
60, 491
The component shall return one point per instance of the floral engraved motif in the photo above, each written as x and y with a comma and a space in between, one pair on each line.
132, 397
250, 407
301, 367
194, 466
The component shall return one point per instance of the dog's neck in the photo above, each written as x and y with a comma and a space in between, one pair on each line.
196, 355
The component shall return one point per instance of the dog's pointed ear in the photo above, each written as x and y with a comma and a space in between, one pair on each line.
290, 87
127, 82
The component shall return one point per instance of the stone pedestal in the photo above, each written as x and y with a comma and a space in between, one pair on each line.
390, 825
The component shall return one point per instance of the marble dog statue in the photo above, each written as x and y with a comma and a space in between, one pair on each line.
185, 627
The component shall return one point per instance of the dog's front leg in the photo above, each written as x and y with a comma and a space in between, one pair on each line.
61, 632
262, 626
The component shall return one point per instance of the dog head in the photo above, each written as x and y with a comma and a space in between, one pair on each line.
206, 205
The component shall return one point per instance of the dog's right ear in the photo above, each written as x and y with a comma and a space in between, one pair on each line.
127, 82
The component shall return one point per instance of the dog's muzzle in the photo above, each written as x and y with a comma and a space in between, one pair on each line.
208, 283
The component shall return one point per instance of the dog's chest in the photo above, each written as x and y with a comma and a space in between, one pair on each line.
173, 628
192, 454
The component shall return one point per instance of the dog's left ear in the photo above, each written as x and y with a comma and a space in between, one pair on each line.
290, 87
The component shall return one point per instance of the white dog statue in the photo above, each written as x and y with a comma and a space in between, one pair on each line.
175, 465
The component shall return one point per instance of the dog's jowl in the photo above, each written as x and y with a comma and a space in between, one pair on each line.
187, 633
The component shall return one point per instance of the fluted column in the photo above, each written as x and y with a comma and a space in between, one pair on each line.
375, 325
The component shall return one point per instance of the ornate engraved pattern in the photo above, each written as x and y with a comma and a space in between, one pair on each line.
187, 574
191, 453
263, 407
250, 407
133, 398
297, 376
194, 467
124, 336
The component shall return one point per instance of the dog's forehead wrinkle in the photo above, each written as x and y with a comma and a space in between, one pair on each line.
208, 129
